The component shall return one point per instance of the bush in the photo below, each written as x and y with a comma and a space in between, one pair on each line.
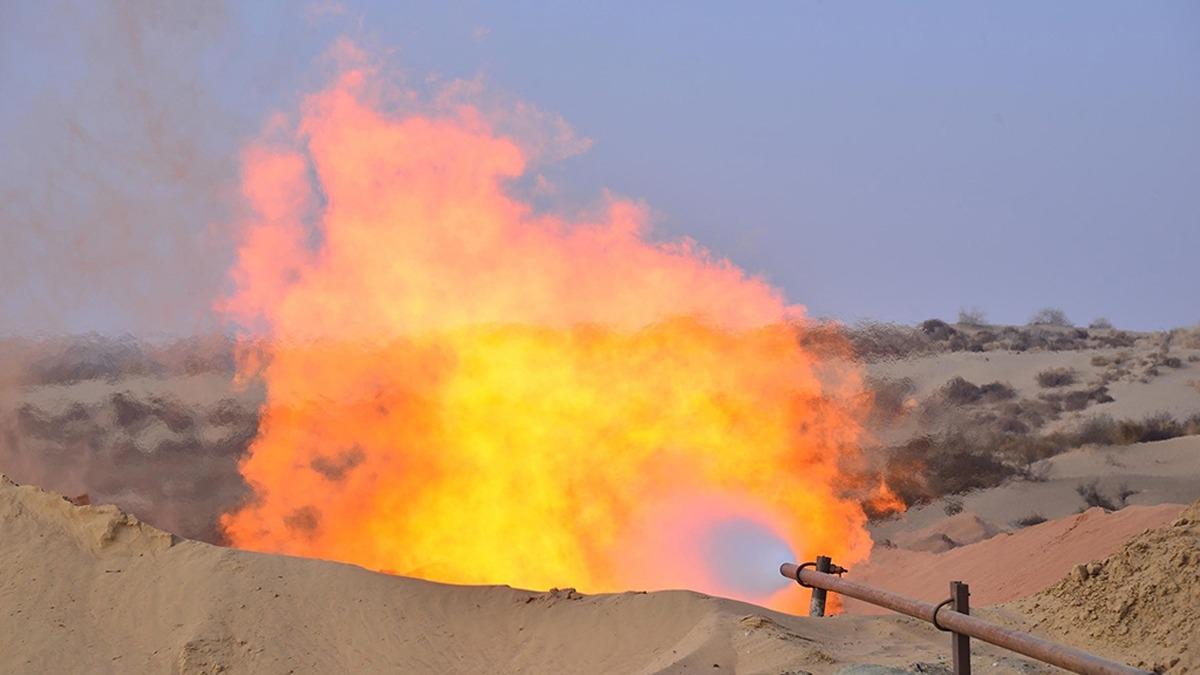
972, 316
1159, 427
997, 391
1056, 377
1031, 519
937, 330
959, 391
876, 341
1096, 430
1101, 324
1124, 492
1090, 493
1079, 399
953, 506
928, 467
1102, 430
1050, 316
1187, 337
889, 396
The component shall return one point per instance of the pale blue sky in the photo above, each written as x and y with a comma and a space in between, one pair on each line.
882, 160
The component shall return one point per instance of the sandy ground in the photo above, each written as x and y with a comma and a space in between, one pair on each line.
92, 590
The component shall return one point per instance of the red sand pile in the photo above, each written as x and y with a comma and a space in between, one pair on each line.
1140, 604
1009, 565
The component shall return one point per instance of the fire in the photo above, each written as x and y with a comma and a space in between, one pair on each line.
463, 389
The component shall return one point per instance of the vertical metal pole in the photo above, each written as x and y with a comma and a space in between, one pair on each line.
816, 607
960, 644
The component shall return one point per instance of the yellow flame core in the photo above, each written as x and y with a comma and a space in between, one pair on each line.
463, 390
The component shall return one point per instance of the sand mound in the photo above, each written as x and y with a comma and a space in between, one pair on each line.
1140, 603
102, 531
1010, 565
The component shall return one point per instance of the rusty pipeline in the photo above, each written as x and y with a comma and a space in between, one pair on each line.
946, 618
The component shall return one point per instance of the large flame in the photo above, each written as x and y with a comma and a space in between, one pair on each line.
462, 389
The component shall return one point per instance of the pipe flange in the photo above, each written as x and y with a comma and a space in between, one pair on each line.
945, 603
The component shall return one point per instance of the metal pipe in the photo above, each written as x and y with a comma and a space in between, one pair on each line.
1069, 658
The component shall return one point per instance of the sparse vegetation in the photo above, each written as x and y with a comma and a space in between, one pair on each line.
987, 449
1124, 492
952, 506
1188, 338
1030, 520
890, 397
959, 391
875, 341
937, 330
1100, 324
880, 341
1091, 495
1050, 316
1103, 430
1056, 377
1078, 399
972, 316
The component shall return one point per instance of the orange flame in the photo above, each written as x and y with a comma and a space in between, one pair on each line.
462, 389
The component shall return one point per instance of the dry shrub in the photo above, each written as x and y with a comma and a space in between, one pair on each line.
1056, 377
1031, 519
73, 359
1050, 316
1117, 338
1079, 399
890, 397
1100, 361
825, 339
1101, 324
1096, 430
1091, 495
972, 316
959, 391
937, 330
1104, 430
932, 466
881, 341
1188, 338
